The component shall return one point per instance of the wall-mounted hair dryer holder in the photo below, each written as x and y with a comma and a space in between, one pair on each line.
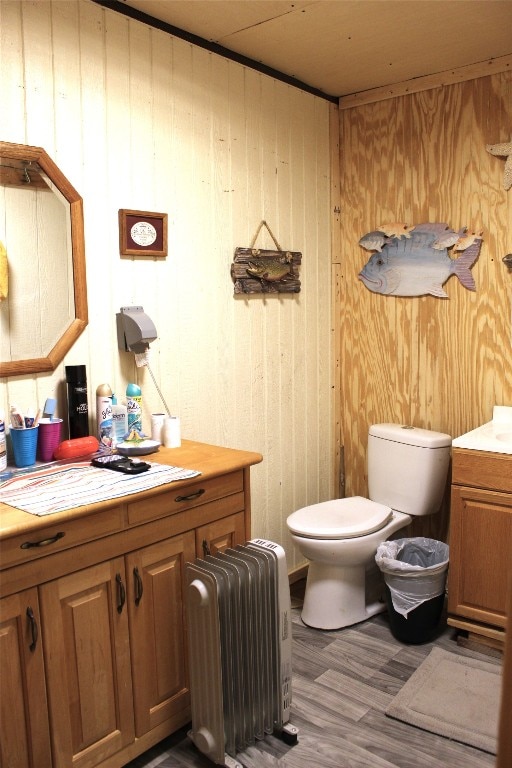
135, 330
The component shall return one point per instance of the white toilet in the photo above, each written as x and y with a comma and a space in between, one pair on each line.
407, 470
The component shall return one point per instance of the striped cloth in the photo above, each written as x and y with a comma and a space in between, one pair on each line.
78, 484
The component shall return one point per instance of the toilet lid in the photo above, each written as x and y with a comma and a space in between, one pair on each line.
339, 518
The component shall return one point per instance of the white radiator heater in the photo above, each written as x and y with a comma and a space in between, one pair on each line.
239, 628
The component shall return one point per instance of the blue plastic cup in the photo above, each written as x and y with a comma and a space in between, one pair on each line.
24, 446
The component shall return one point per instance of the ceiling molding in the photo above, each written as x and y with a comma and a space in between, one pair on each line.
438, 80
144, 18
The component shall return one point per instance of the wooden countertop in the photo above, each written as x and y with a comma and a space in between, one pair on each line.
210, 460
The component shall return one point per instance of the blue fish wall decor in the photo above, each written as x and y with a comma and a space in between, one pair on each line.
414, 260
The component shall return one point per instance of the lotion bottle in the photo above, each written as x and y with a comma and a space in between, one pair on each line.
119, 420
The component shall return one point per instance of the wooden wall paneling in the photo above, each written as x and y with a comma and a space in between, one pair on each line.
196, 238
488, 287
99, 256
499, 93
40, 103
67, 114
222, 107
179, 325
249, 319
141, 274
263, 335
117, 180
322, 309
276, 197
12, 81
149, 122
161, 297
297, 456
243, 152
202, 236
13, 107
289, 177
338, 484
438, 363
38, 130
221, 141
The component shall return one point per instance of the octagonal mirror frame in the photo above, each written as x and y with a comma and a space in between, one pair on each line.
24, 153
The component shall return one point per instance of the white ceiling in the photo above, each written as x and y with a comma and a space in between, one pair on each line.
342, 47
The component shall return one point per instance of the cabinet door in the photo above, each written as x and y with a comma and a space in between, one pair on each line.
87, 657
156, 584
480, 547
25, 736
220, 535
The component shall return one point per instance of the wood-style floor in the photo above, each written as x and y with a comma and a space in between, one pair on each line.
342, 683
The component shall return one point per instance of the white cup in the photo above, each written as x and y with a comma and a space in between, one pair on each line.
172, 432
157, 427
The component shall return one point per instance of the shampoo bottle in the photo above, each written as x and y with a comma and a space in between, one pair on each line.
134, 407
119, 420
104, 415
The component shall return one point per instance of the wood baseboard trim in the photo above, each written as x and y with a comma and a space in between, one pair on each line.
492, 637
298, 573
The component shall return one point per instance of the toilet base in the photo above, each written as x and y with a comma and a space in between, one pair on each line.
335, 597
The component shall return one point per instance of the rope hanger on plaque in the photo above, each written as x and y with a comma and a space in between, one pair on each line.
255, 270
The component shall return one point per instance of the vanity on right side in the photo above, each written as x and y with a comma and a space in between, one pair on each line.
480, 534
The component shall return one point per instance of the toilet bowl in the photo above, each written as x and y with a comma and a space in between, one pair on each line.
407, 470
335, 594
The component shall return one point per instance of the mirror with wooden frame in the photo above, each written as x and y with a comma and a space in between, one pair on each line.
42, 262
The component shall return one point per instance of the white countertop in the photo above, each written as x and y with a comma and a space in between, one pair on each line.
495, 436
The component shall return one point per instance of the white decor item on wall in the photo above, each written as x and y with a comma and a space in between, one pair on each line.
414, 260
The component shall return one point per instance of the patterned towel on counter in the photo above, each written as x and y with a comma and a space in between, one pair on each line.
55, 489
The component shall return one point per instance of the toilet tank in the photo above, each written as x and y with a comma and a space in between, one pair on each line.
408, 467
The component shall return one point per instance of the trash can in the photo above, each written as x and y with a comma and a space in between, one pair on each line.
414, 572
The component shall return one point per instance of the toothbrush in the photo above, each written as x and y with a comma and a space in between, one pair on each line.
49, 407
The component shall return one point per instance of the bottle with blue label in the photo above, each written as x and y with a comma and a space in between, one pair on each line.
134, 407
119, 420
104, 415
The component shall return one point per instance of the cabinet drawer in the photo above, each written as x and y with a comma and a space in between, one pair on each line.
480, 469
53, 538
185, 497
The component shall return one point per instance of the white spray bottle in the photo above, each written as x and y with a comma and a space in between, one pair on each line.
104, 415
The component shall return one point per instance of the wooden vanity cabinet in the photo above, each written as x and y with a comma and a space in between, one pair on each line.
109, 675
480, 542
156, 608
87, 659
24, 726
